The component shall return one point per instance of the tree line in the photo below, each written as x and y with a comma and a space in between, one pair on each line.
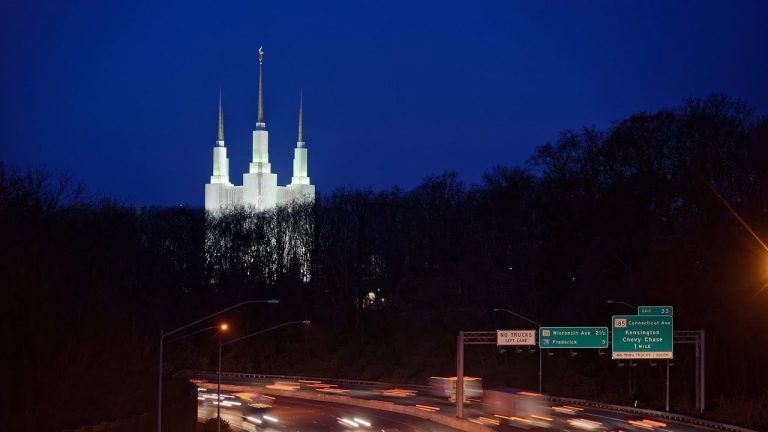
667, 207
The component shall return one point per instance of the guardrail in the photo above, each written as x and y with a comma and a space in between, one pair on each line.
264, 377
561, 400
648, 413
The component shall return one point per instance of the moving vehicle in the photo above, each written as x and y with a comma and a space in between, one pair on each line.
519, 407
446, 387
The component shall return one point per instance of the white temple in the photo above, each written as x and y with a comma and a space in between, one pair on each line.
259, 189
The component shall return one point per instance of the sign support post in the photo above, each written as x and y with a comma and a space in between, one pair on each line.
666, 392
700, 376
460, 375
540, 364
470, 338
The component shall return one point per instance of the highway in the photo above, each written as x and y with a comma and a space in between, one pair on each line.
294, 415
302, 415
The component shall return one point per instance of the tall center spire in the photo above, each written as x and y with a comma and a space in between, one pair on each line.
221, 122
261, 94
300, 141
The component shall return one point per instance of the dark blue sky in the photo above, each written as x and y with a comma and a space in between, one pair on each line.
122, 94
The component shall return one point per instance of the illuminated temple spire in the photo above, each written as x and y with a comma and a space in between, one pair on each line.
300, 141
261, 94
259, 190
220, 138
220, 176
300, 179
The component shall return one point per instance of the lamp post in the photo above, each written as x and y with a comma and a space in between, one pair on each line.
538, 325
163, 335
221, 344
629, 369
622, 303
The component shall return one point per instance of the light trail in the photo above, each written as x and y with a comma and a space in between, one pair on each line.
736, 215
744, 224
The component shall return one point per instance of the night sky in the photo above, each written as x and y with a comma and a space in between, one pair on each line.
123, 94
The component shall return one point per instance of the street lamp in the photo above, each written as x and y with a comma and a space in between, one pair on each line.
538, 325
163, 335
220, 327
221, 344
621, 302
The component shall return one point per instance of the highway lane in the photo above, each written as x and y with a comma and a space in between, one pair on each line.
299, 415
562, 418
390, 394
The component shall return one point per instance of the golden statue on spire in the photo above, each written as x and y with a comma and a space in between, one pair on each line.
261, 95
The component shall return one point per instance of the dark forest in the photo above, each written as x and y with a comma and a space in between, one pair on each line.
667, 207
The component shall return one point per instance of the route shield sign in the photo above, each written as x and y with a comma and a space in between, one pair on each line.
654, 310
641, 337
573, 337
515, 337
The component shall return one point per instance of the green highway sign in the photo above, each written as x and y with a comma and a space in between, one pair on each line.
654, 310
641, 337
573, 337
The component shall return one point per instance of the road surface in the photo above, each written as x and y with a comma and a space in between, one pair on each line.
298, 415
304, 415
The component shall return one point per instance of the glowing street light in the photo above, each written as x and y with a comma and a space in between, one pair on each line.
221, 344
163, 335
221, 327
